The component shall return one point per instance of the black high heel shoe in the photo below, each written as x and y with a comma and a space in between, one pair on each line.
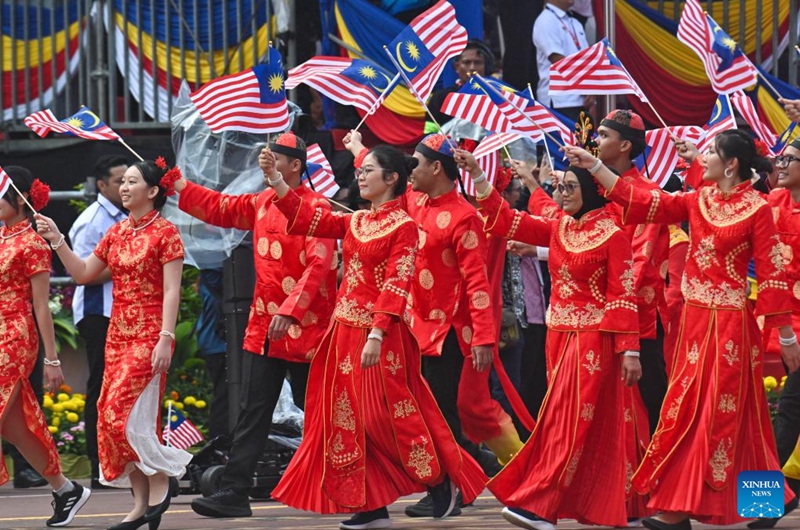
129, 525
154, 524
158, 510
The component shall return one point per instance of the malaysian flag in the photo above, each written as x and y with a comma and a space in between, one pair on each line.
660, 153
488, 158
594, 70
424, 47
5, 182
348, 81
722, 119
490, 104
84, 124
726, 66
546, 119
744, 106
180, 432
251, 101
784, 139
319, 171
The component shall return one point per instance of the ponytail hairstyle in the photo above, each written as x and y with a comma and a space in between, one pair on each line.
38, 193
394, 160
735, 143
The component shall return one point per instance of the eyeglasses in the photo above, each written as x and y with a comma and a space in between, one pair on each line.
569, 186
365, 170
785, 160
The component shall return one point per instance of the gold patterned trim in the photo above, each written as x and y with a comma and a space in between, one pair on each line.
773, 284
651, 213
578, 239
721, 212
365, 228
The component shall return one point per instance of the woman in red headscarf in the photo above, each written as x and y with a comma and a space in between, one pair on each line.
25, 291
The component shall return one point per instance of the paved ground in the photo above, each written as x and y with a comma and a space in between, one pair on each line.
30, 508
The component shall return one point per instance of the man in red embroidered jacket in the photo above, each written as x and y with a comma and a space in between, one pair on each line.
292, 305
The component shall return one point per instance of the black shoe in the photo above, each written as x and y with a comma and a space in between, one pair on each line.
488, 462
129, 525
526, 519
97, 485
443, 498
28, 478
159, 509
224, 503
424, 507
375, 519
153, 524
65, 506
655, 524
769, 522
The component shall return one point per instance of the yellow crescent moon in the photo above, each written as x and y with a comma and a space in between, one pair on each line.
381, 89
95, 116
717, 111
399, 56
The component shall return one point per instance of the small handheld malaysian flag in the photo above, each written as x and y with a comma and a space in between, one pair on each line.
84, 124
180, 432
251, 101
320, 172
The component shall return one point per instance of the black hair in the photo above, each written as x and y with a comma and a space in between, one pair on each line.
630, 133
674, 183
23, 180
394, 160
102, 168
152, 176
483, 49
354, 199
737, 144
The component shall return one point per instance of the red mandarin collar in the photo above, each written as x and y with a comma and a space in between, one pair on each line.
734, 192
388, 206
134, 225
444, 198
591, 215
16, 228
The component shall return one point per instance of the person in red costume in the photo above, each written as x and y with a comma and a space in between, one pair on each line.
714, 422
373, 431
25, 288
573, 464
292, 306
452, 315
144, 254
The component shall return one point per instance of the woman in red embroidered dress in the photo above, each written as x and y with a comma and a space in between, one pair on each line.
144, 254
25, 290
373, 432
714, 422
573, 463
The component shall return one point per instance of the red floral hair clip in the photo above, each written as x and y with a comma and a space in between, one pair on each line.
39, 194
761, 148
171, 176
502, 178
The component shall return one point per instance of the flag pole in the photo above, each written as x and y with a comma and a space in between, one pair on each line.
546, 148
766, 82
21, 195
169, 422
730, 109
377, 102
129, 148
416, 95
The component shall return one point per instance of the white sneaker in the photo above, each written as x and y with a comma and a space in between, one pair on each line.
525, 519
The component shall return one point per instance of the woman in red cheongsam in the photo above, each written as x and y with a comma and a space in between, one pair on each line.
25, 290
373, 431
573, 464
714, 422
144, 254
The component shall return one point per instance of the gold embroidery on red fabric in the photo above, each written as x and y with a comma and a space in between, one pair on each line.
443, 219
449, 257
423, 237
727, 403
587, 414
796, 289
651, 213
262, 246
405, 265
720, 461
393, 363
302, 257
648, 294
469, 240
275, 250
708, 294
694, 354
593, 362
259, 306
272, 308
346, 366
626, 415
514, 225
315, 221
481, 300
575, 238
773, 284
288, 284
730, 262
466, 334
566, 285
365, 228
309, 319
754, 356
349, 311
627, 279
570, 316
420, 458
404, 408
780, 255
672, 412
597, 293
355, 273
437, 314
295, 331
426, 279
705, 254
732, 355
572, 467
720, 212
343, 416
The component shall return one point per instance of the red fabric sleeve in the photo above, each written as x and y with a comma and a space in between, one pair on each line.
312, 218
649, 205
170, 246
392, 301
218, 209
501, 220
774, 297
37, 257
543, 205
102, 248
319, 258
694, 175
621, 315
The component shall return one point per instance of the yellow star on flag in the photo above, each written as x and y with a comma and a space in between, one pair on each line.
275, 83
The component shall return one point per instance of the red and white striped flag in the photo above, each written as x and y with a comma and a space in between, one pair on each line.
83, 124
180, 432
726, 66
594, 70
348, 81
250, 101
426, 45
547, 121
488, 158
5, 182
662, 157
744, 105
722, 119
320, 171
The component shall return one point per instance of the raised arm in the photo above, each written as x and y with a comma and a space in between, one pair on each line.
82, 271
215, 208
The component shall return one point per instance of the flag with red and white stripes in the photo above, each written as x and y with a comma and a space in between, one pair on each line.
253, 100
5, 182
544, 117
356, 82
726, 66
83, 124
593, 70
320, 172
426, 45
662, 157
744, 106
722, 119
180, 432
487, 155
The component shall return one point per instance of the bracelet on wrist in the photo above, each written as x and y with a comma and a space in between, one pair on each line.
48, 362
165, 333
596, 167
631, 354
276, 181
791, 341
57, 245
480, 178
375, 336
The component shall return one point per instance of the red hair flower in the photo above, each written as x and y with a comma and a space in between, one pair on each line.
161, 163
761, 148
168, 181
502, 178
39, 194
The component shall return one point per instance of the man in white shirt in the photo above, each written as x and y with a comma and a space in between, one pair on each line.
91, 304
556, 35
